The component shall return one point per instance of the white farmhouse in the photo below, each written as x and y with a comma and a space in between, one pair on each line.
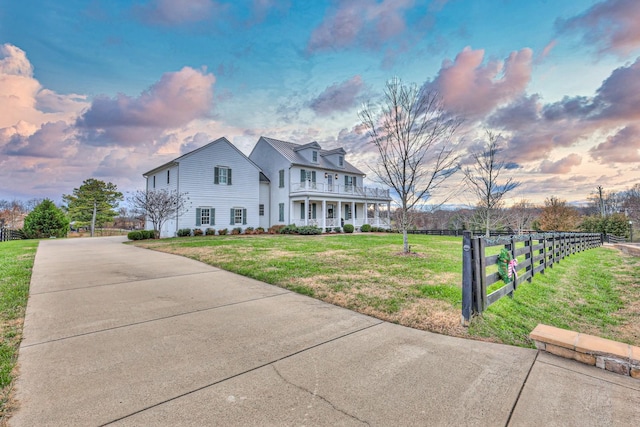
312, 186
224, 188
279, 183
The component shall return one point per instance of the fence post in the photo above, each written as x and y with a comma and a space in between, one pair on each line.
467, 277
530, 257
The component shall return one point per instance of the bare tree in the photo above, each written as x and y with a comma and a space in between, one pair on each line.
521, 215
483, 179
159, 206
414, 137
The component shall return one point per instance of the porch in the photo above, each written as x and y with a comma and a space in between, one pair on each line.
329, 213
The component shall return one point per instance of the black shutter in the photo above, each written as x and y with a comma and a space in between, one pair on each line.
198, 217
216, 174
213, 216
233, 222
228, 176
244, 216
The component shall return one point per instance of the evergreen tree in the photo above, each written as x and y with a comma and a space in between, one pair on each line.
46, 220
94, 203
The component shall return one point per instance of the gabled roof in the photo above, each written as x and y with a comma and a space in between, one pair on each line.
177, 160
290, 151
313, 144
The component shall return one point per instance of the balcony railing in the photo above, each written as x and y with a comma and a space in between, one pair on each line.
350, 190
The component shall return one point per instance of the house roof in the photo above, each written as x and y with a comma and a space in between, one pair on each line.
291, 152
176, 161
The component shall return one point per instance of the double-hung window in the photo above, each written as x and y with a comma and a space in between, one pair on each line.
222, 175
205, 216
238, 216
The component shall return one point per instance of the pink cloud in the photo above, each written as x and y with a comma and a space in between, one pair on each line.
612, 25
623, 147
472, 89
171, 12
618, 98
22, 98
562, 166
338, 97
54, 140
364, 22
175, 100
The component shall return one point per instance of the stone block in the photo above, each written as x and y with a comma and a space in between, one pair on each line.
560, 351
617, 366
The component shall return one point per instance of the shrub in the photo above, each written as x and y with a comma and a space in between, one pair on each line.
210, 231
223, 231
148, 234
259, 230
46, 220
308, 230
197, 232
249, 230
275, 229
348, 228
135, 235
365, 228
184, 232
337, 229
289, 229
373, 229
236, 231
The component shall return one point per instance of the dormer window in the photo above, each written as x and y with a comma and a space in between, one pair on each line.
341, 161
314, 156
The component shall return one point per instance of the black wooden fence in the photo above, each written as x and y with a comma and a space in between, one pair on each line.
7, 234
533, 252
459, 232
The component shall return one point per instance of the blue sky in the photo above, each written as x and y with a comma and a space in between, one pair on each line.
110, 89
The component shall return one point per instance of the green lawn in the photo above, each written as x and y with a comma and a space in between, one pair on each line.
16, 262
593, 292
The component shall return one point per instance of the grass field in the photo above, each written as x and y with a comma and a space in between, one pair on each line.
16, 262
596, 292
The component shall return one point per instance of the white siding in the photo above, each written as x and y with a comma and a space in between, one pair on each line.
264, 200
271, 162
196, 178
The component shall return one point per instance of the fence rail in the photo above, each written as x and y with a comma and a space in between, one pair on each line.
533, 254
7, 234
492, 233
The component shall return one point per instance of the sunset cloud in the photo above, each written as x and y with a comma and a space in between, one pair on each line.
473, 88
623, 147
611, 25
338, 97
170, 12
175, 100
365, 22
562, 166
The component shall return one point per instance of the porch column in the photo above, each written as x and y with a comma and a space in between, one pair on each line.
353, 213
307, 208
366, 213
376, 214
291, 210
389, 213
324, 215
339, 213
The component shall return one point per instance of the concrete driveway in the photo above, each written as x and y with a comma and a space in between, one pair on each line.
118, 335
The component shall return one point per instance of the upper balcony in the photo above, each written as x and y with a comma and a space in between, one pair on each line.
351, 191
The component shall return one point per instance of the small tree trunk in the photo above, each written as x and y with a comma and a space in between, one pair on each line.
93, 219
405, 240
487, 233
